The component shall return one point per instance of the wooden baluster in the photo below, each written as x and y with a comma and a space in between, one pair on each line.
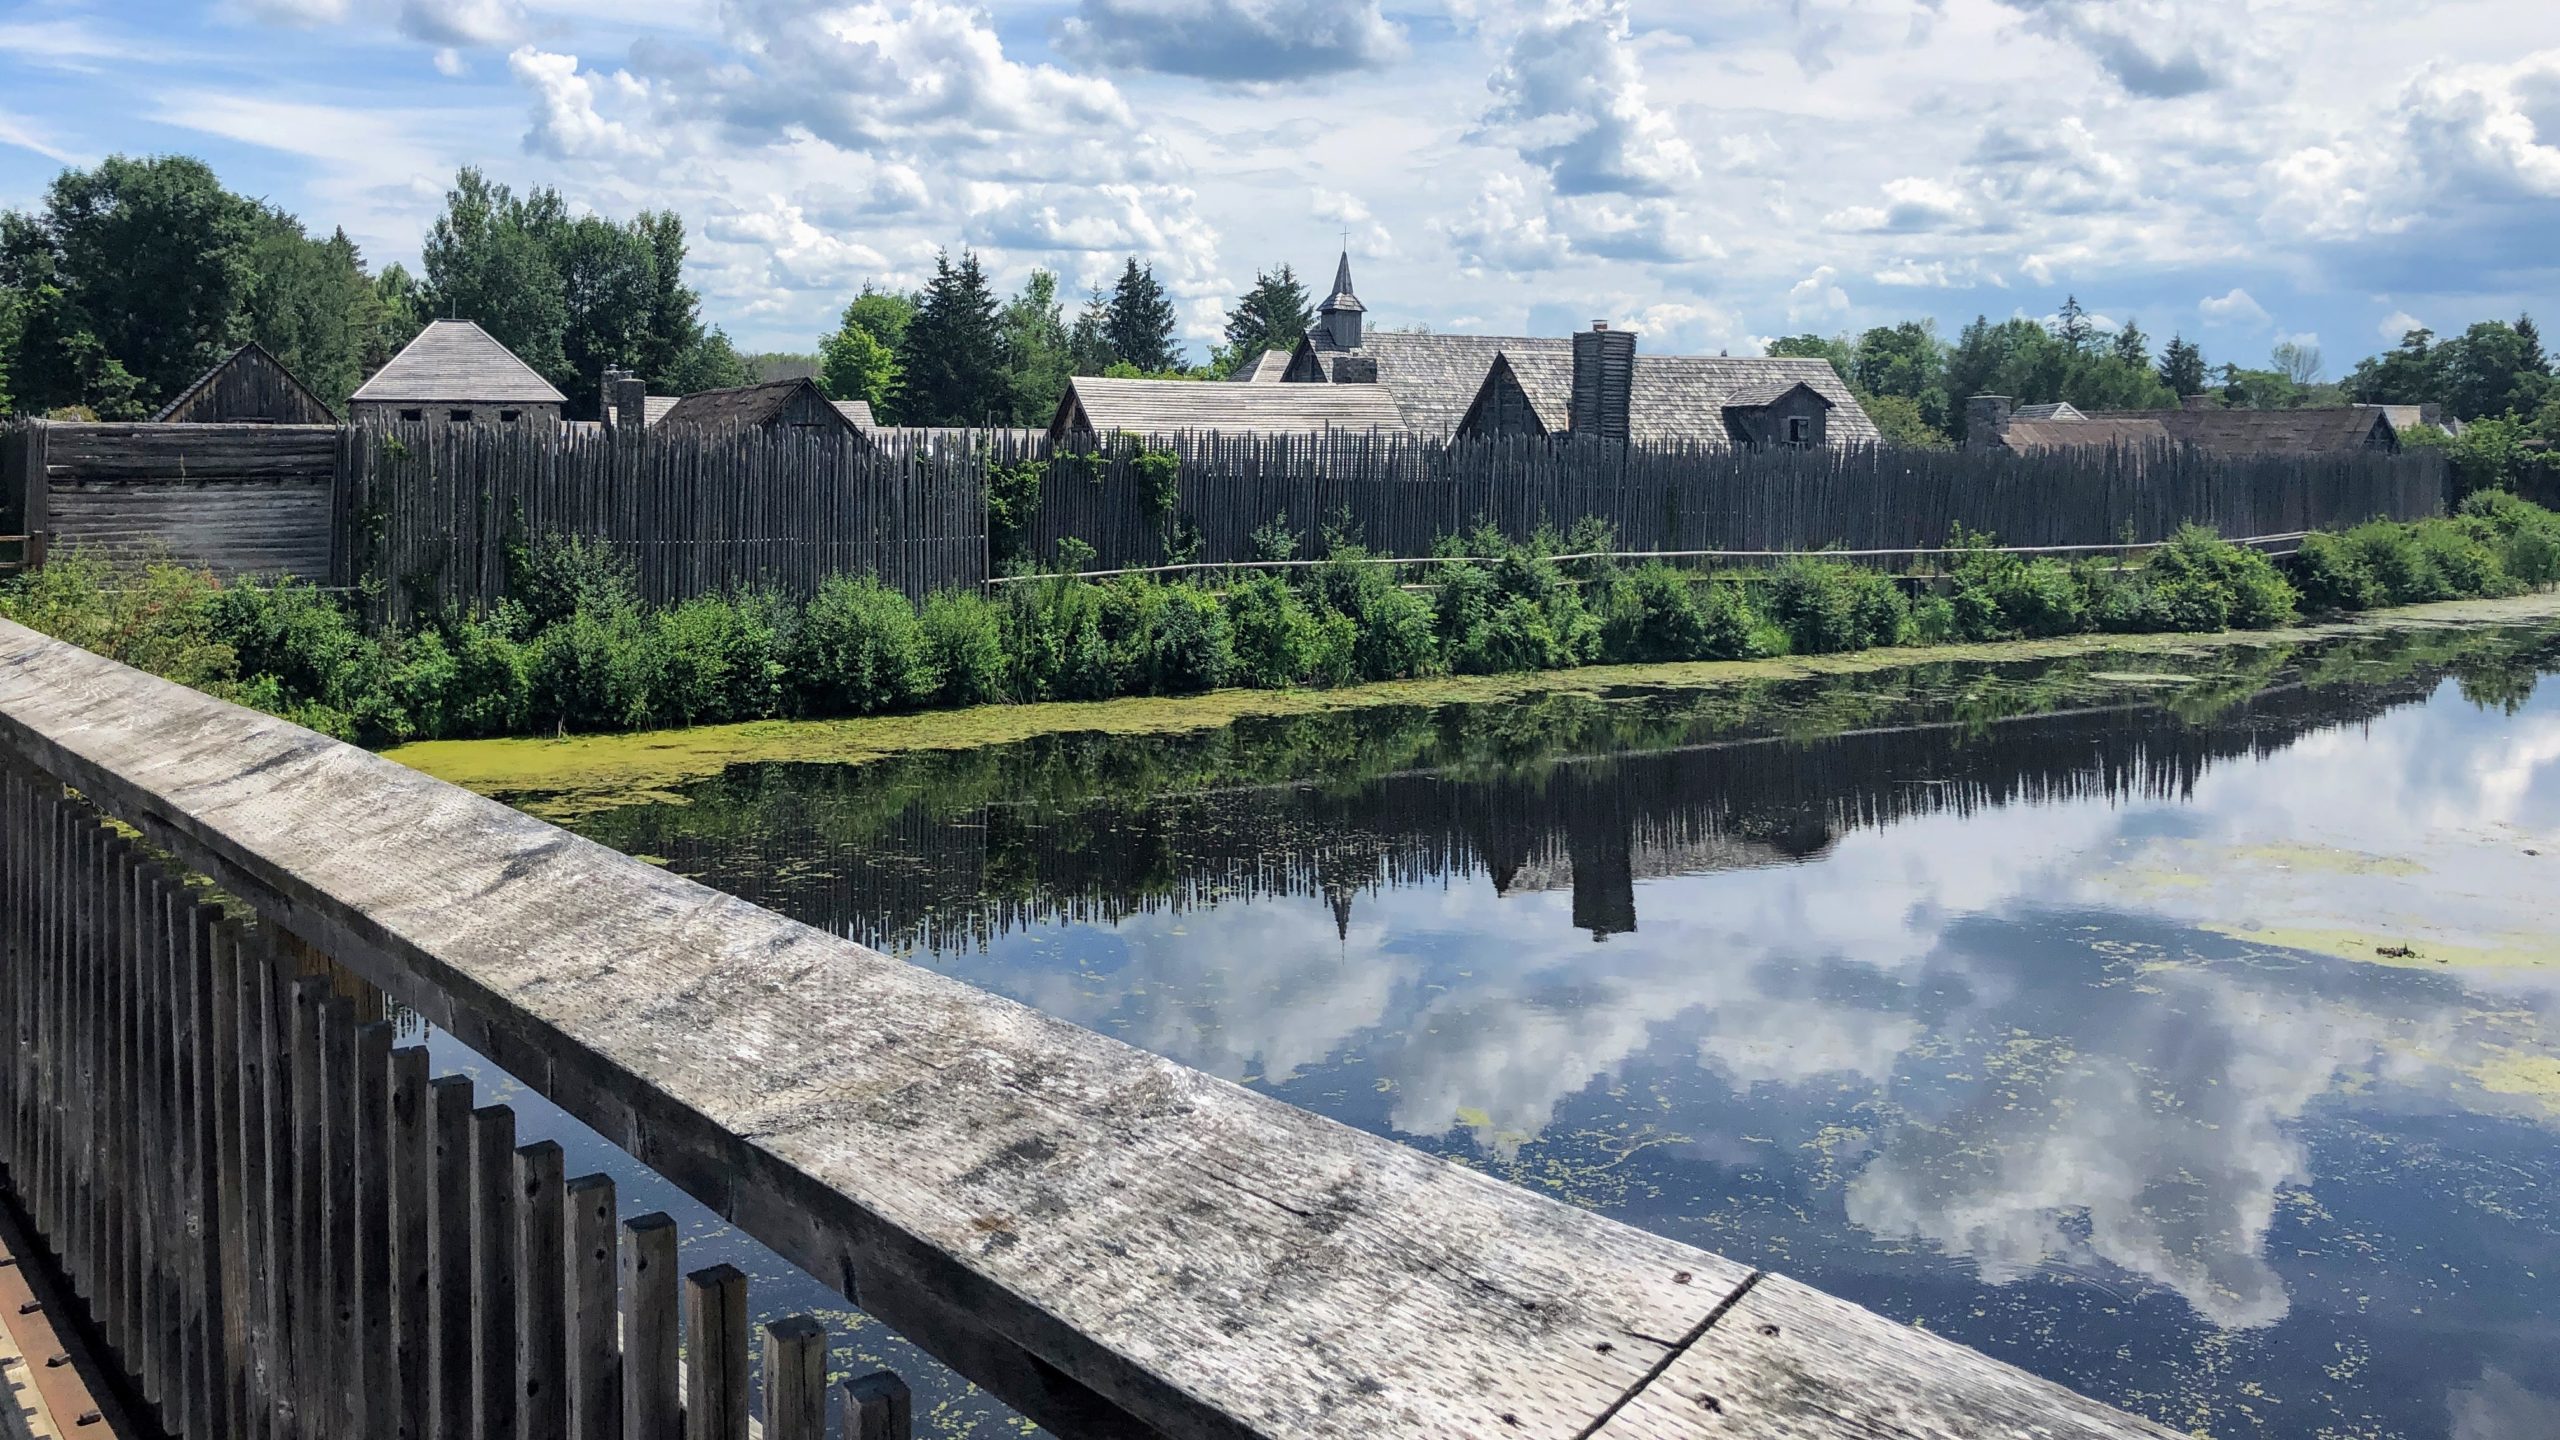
878, 1407
594, 1342
541, 1276
650, 1406
450, 1379
410, 1186
715, 1357
493, 1273
795, 1379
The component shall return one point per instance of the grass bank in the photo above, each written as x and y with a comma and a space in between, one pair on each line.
583, 773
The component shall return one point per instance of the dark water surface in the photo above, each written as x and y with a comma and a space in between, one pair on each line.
2046, 1005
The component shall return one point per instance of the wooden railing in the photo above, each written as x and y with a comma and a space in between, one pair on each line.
1115, 1245
282, 1226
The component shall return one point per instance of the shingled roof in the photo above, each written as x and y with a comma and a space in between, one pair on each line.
2087, 433
455, 360
1263, 369
2059, 410
1167, 407
776, 402
2319, 431
859, 412
1678, 399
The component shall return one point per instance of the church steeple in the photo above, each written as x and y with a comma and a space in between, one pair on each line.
1339, 316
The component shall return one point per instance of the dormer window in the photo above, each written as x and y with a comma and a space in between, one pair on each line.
1799, 430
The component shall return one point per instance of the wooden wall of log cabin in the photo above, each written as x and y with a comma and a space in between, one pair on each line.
251, 499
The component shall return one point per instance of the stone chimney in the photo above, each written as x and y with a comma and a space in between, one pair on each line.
1986, 420
626, 405
2195, 402
1604, 382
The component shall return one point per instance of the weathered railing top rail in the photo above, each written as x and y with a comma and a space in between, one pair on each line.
1113, 1243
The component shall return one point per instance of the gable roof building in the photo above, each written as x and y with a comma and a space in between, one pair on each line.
2327, 430
1445, 385
1713, 400
1097, 405
249, 386
796, 404
455, 371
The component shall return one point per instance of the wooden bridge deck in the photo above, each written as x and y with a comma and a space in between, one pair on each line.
1112, 1243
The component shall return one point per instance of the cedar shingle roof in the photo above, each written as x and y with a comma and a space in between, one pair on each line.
859, 412
2094, 433
1264, 369
1166, 407
2321, 431
654, 408
776, 402
2060, 410
1678, 399
455, 360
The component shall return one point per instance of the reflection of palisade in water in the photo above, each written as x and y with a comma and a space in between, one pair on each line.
942, 852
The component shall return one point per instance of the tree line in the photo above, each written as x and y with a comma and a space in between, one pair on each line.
952, 353
1914, 383
131, 279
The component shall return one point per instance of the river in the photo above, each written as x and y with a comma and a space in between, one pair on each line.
2183, 1026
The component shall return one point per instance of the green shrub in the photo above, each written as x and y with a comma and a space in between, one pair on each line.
2464, 558
1655, 616
2199, 581
719, 660
2402, 570
859, 651
425, 683
559, 575
1277, 638
492, 691
1824, 606
2532, 558
1055, 641
1392, 628
2330, 574
1514, 614
964, 639
2003, 596
303, 637
591, 671
1184, 641
155, 617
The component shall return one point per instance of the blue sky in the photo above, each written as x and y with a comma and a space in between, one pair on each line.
2244, 171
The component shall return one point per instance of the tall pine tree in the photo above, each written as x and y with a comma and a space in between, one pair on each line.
2182, 367
952, 361
2132, 346
1273, 315
1139, 325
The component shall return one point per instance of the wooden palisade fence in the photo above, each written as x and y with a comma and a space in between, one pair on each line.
423, 515
429, 511
281, 1226
1399, 494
